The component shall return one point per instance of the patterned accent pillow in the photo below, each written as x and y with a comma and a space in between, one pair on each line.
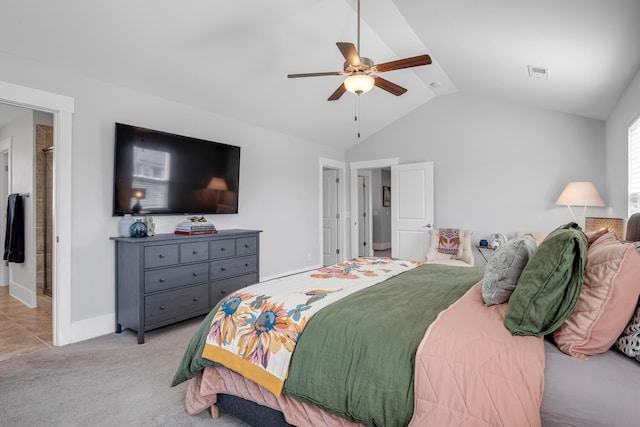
504, 268
629, 341
464, 255
449, 241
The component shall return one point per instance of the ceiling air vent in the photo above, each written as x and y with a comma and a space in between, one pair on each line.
538, 72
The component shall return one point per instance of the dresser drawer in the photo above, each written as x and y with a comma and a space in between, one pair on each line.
178, 303
223, 248
233, 267
246, 245
167, 278
159, 256
194, 252
221, 288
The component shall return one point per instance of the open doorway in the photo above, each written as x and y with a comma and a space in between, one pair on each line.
62, 108
381, 211
374, 212
373, 220
26, 294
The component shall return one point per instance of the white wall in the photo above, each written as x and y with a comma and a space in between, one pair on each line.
498, 167
278, 182
626, 111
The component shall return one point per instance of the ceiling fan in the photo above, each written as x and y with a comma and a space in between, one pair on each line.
362, 72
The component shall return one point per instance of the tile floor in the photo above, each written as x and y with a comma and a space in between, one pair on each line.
23, 330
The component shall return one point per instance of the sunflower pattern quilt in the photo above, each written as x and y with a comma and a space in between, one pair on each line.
255, 330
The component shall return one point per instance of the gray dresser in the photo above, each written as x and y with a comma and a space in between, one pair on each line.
168, 278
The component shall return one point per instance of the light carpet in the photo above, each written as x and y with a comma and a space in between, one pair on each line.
106, 381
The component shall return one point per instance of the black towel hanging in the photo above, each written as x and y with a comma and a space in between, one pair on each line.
14, 237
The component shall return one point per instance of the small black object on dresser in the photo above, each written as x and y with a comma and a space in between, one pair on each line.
169, 278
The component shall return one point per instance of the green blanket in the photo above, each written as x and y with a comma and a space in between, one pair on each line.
382, 326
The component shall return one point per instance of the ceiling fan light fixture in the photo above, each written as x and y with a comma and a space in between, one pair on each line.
359, 83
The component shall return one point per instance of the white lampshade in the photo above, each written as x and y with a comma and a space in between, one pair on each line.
580, 194
359, 83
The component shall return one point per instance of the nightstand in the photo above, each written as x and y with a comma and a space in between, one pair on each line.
485, 248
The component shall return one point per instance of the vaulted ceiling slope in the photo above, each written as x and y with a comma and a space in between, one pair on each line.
232, 58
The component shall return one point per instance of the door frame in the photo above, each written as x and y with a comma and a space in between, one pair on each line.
354, 167
325, 163
5, 149
62, 107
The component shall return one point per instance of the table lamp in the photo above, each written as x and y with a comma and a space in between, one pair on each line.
580, 194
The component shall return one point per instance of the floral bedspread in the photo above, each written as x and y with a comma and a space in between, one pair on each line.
256, 330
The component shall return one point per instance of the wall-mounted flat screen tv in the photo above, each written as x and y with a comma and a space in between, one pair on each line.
158, 173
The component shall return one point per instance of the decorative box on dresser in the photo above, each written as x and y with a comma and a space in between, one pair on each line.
168, 278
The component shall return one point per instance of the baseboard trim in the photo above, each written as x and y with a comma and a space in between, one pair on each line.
23, 294
93, 327
289, 273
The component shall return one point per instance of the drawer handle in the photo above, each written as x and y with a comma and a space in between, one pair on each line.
195, 274
195, 252
222, 269
246, 264
162, 280
222, 249
246, 246
161, 256
162, 307
223, 292
195, 298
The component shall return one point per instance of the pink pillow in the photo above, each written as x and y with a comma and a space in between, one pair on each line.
595, 235
607, 301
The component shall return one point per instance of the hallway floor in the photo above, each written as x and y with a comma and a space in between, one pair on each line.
384, 252
23, 330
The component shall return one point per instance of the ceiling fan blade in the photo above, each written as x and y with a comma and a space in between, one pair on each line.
338, 93
388, 86
349, 52
415, 61
329, 73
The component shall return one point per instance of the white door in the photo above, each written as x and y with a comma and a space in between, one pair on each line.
411, 210
364, 218
330, 219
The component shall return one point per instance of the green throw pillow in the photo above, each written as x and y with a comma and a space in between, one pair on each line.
550, 283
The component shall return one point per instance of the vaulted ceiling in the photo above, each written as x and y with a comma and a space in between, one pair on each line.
233, 57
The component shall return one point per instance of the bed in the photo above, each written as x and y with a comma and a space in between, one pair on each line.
417, 345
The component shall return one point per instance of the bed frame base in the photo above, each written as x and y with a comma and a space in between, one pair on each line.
247, 411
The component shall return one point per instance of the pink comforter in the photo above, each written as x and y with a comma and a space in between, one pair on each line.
470, 371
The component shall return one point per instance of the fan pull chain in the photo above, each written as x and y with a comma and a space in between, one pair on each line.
357, 116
